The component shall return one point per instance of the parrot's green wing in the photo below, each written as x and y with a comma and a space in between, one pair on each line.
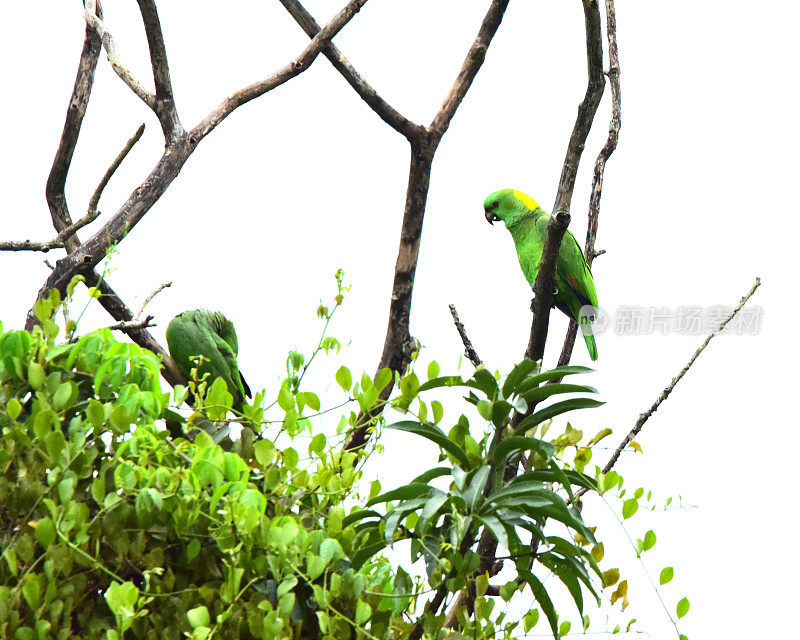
527, 223
195, 333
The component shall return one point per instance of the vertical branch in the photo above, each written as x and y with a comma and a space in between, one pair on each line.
57, 180
164, 105
399, 344
545, 283
600, 164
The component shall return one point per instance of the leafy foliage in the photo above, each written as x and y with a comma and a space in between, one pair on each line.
113, 529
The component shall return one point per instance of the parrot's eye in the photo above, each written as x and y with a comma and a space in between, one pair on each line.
495, 204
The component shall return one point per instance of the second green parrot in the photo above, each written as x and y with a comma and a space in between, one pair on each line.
527, 222
210, 334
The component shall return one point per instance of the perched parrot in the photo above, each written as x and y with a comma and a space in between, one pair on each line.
527, 222
209, 334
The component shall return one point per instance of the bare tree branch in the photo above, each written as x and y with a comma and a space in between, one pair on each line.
469, 350
385, 111
399, 344
668, 390
296, 67
545, 283
151, 296
60, 241
95, 199
164, 105
82, 259
133, 325
600, 164
94, 19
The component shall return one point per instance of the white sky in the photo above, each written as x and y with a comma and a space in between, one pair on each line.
307, 179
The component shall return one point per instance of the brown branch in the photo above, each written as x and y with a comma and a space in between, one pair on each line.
543, 287
133, 325
95, 199
545, 280
545, 283
164, 104
398, 345
151, 296
56, 183
586, 109
600, 164
85, 257
469, 350
296, 67
383, 109
63, 237
94, 20
643, 418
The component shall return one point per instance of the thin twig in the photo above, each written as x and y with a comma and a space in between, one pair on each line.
600, 164
297, 66
469, 350
60, 241
94, 19
164, 104
133, 325
383, 109
85, 257
668, 390
151, 296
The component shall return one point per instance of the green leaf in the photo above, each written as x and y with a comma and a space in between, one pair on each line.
36, 375
433, 370
13, 408
493, 524
516, 375
542, 393
564, 628
265, 452
317, 444
649, 540
542, 597
558, 372
554, 410
436, 435
474, 492
363, 612
45, 532
285, 399
360, 514
530, 619
407, 492
199, 617
521, 443
666, 576
444, 381
121, 599
290, 458
286, 585
683, 607
629, 508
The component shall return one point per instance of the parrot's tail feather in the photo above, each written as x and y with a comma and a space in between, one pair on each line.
591, 345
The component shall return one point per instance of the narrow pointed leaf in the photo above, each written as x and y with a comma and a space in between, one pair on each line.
556, 409
434, 434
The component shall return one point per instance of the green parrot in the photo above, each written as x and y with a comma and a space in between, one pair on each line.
527, 222
209, 334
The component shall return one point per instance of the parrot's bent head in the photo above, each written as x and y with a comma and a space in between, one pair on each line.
508, 205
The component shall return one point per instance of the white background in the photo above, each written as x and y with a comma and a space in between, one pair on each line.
699, 200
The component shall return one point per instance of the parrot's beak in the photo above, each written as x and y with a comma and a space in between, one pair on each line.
491, 216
